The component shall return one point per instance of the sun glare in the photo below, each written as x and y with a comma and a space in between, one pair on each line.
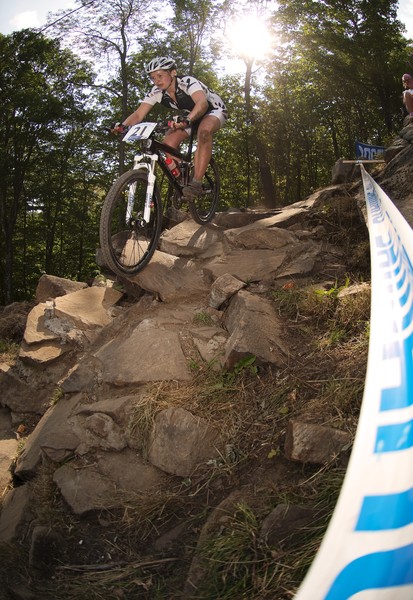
250, 37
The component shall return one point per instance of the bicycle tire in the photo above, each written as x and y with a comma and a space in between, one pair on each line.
203, 207
128, 242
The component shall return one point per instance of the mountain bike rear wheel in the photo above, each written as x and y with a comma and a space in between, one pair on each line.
203, 207
127, 240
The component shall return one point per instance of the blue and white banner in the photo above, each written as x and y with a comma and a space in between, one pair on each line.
368, 152
367, 551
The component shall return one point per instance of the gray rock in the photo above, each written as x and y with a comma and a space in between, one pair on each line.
130, 472
50, 286
36, 330
97, 431
41, 353
51, 432
15, 513
302, 259
354, 290
21, 397
105, 483
240, 218
223, 288
317, 444
180, 442
48, 338
261, 235
255, 330
407, 132
284, 525
394, 149
116, 408
190, 239
83, 377
247, 265
84, 489
210, 343
147, 354
171, 278
13, 319
343, 172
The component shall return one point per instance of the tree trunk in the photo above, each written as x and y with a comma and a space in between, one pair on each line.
265, 176
264, 168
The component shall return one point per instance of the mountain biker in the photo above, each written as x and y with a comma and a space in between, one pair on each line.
407, 81
203, 109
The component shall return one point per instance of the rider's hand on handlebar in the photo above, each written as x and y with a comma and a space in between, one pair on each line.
119, 129
179, 123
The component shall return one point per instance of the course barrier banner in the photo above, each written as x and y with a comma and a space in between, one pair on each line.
368, 151
367, 551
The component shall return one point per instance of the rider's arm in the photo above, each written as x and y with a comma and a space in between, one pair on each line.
139, 114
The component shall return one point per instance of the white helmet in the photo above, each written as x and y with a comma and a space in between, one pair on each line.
160, 62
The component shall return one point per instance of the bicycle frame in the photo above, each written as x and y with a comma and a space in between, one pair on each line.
153, 151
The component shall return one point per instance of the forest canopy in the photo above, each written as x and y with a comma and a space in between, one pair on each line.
331, 76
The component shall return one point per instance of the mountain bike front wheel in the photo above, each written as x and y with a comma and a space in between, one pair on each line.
128, 237
203, 207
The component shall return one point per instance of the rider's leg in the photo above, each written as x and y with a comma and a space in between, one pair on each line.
175, 137
207, 127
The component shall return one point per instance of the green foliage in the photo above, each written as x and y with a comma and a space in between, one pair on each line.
245, 367
203, 318
231, 556
322, 96
192, 23
43, 154
246, 364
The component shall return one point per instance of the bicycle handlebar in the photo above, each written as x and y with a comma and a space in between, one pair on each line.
180, 119
161, 126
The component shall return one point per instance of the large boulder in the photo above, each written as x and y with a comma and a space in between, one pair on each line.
255, 330
50, 286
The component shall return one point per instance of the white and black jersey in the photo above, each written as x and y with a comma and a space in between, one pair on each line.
185, 87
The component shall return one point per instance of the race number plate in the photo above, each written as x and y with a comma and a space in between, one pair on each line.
141, 131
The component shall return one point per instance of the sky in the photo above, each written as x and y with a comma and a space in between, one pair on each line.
19, 14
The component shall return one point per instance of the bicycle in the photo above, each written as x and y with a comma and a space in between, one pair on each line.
131, 217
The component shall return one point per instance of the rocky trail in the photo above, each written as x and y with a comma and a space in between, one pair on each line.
140, 413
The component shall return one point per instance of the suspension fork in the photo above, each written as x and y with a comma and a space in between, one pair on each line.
150, 168
150, 188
